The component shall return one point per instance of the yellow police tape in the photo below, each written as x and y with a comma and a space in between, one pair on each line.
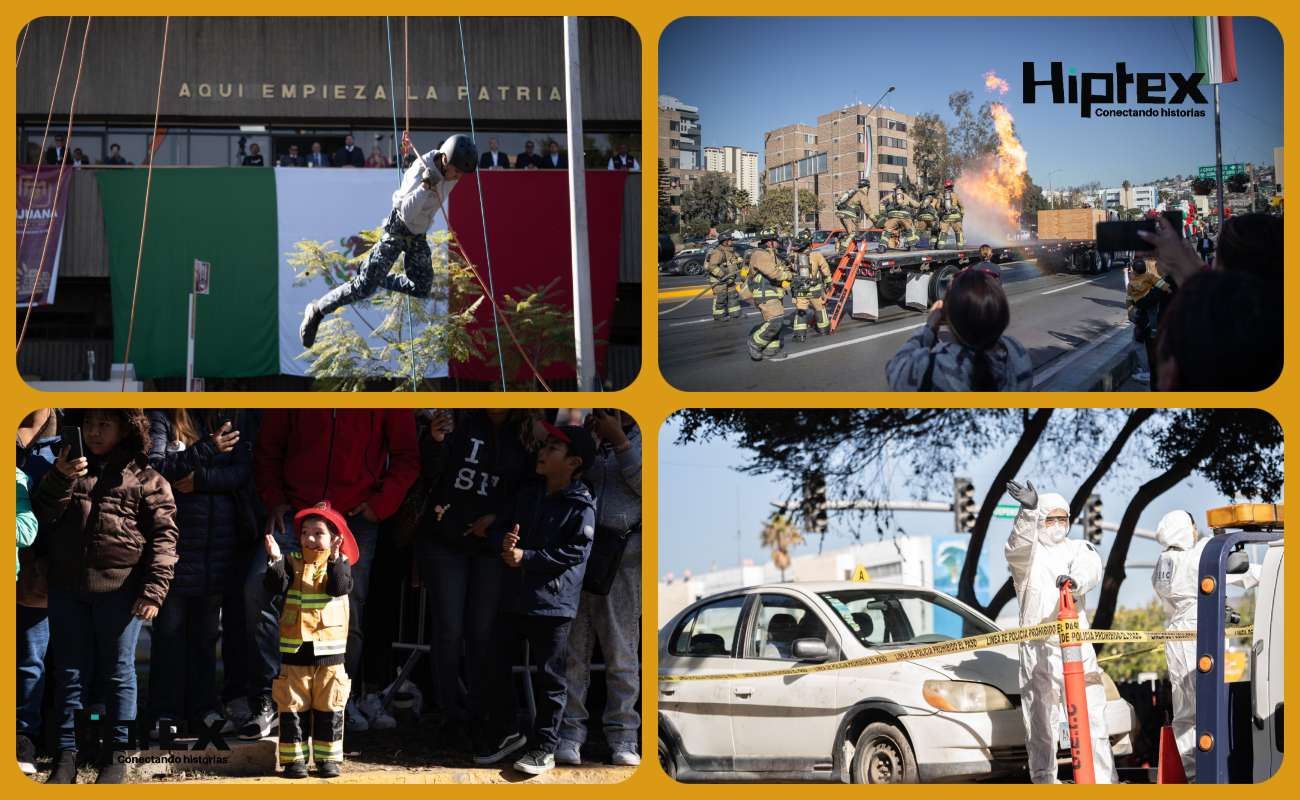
1069, 632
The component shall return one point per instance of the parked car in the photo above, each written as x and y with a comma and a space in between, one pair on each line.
691, 261
944, 718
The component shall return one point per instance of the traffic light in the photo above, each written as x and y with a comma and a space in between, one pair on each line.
814, 502
963, 505
1092, 519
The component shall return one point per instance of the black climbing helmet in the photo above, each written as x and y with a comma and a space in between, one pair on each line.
460, 152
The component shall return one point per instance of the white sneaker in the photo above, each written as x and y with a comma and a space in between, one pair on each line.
1142, 377
26, 755
356, 721
380, 719
238, 711
227, 726
568, 754
154, 730
625, 755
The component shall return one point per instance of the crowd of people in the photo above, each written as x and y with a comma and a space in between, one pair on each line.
286, 535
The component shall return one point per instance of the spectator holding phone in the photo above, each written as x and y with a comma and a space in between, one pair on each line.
199, 455
109, 520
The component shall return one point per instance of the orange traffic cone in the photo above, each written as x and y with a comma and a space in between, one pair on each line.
1171, 761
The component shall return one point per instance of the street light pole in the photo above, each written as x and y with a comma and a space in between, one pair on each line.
1050, 193
866, 140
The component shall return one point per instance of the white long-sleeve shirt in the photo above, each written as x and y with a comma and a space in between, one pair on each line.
416, 205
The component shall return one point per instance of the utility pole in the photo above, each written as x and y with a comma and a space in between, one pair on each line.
584, 330
1050, 193
1218, 155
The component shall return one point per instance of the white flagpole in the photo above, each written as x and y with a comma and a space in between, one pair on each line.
189, 348
584, 330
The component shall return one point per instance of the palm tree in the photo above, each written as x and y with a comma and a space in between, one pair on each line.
1127, 185
780, 534
741, 200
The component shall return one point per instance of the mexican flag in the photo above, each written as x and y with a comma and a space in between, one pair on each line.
1216, 57
244, 222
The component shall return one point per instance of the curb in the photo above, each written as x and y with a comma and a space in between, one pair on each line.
1115, 371
492, 775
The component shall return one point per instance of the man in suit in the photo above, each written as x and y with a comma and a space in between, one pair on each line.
622, 160
349, 155
528, 159
555, 159
293, 159
78, 160
56, 153
317, 158
494, 158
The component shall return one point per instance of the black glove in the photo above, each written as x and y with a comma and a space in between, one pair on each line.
1025, 495
1061, 580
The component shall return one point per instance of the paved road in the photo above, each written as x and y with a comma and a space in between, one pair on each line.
1058, 318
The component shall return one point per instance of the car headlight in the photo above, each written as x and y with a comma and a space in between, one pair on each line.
964, 697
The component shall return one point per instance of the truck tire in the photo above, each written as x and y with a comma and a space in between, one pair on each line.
666, 761
883, 755
892, 287
939, 280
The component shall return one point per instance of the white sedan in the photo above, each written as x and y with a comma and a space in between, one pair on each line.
945, 718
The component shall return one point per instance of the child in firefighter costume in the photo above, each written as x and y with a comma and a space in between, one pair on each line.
313, 687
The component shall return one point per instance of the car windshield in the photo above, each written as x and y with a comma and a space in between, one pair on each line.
820, 236
900, 617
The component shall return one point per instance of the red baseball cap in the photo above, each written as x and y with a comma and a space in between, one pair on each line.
323, 509
583, 445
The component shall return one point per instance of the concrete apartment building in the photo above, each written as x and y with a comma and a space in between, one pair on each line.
677, 150
830, 158
742, 165
1143, 197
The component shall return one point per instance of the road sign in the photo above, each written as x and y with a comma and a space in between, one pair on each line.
1006, 512
1228, 171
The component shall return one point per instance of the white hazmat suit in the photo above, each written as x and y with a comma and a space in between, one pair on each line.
1036, 556
1176, 582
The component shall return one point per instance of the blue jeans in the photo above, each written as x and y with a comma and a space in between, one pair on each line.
234, 631
183, 657
33, 639
465, 589
93, 635
547, 639
263, 608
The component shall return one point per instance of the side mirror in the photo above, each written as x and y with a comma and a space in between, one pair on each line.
1238, 562
808, 649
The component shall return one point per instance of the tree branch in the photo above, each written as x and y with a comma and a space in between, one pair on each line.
1134, 421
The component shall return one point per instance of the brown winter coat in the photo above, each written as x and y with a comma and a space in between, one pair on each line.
110, 529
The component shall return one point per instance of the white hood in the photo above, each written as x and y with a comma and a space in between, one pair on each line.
1047, 503
1176, 529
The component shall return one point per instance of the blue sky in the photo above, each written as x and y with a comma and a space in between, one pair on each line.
699, 514
736, 70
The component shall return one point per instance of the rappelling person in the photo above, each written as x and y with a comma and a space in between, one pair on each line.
849, 208
897, 213
767, 281
723, 267
424, 190
812, 276
951, 213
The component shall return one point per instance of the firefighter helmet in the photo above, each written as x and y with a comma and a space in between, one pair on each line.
864, 183
947, 184
726, 236
768, 235
801, 241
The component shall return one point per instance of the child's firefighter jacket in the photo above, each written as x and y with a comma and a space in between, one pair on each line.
310, 613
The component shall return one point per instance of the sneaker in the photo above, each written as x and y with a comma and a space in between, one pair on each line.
26, 755
480, 734
568, 754
237, 710
1142, 377
498, 749
211, 717
327, 769
380, 719
536, 762
356, 721
295, 769
263, 721
158, 725
311, 319
625, 755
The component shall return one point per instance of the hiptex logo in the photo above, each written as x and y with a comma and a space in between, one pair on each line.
91, 729
1151, 88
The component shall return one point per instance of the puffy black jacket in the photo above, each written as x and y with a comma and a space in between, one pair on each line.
206, 516
555, 533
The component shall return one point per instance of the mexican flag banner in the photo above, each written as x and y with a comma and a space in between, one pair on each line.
244, 222
1216, 55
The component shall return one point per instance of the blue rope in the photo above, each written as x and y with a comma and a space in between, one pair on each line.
392, 95
501, 358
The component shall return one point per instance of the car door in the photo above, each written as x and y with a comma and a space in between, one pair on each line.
702, 642
1268, 663
791, 718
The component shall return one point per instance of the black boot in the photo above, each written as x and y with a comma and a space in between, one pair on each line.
800, 336
295, 769
826, 331
755, 352
327, 769
777, 356
65, 768
114, 768
311, 319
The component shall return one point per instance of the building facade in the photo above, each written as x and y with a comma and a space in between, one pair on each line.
831, 158
742, 165
1145, 198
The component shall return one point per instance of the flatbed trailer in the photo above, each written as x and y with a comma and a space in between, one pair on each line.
863, 278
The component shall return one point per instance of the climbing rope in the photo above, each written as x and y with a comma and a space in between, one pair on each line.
20, 45
145, 220
392, 92
58, 185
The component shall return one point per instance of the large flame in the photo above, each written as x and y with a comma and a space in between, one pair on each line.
991, 187
993, 82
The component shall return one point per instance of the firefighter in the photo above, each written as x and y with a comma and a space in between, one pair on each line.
768, 279
812, 276
897, 213
724, 270
849, 208
951, 212
927, 219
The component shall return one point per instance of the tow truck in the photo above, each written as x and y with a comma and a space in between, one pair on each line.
863, 277
1239, 725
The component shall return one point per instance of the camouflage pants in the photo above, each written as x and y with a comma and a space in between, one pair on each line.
374, 270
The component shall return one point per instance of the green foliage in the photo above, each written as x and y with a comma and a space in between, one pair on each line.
777, 207
1032, 201
973, 135
931, 151
1127, 185
344, 359
1238, 183
1150, 617
1204, 186
543, 327
698, 226
711, 196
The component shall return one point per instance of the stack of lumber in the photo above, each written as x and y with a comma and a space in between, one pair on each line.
1070, 223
